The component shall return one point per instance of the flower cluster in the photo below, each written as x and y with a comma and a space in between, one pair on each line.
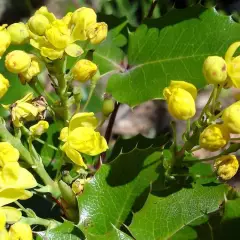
221, 73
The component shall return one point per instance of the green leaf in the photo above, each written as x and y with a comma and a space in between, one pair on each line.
231, 210
110, 195
126, 145
65, 231
203, 173
174, 52
108, 55
163, 217
187, 233
115, 234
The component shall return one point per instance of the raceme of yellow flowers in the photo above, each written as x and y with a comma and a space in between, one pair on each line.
53, 38
181, 96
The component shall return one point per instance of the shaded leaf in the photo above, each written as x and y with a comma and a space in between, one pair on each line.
110, 195
126, 145
231, 210
174, 52
162, 218
108, 55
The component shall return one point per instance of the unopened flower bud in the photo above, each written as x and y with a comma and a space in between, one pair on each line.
5, 39
214, 137
17, 61
97, 32
215, 70
4, 85
226, 166
19, 33
84, 70
39, 128
82, 18
181, 104
38, 24
33, 70
231, 116
78, 185
108, 106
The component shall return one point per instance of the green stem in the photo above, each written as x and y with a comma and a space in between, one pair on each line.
57, 70
92, 88
45, 92
47, 144
215, 90
36, 221
232, 148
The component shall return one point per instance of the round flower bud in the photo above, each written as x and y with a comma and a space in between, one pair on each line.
5, 39
214, 137
82, 18
226, 166
17, 61
84, 70
19, 33
215, 70
4, 85
97, 32
38, 24
181, 84
181, 104
33, 70
108, 106
231, 116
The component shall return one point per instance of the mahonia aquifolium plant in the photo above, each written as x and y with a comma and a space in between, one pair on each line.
81, 147
53, 40
212, 131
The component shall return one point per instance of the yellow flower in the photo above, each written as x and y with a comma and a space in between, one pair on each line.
19, 33
33, 70
215, 70
23, 109
78, 185
84, 70
20, 231
5, 39
233, 64
180, 84
181, 104
58, 34
81, 137
8, 153
231, 116
82, 18
227, 166
17, 61
39, 128
14, 180
214, 137
97, 32
4, 85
